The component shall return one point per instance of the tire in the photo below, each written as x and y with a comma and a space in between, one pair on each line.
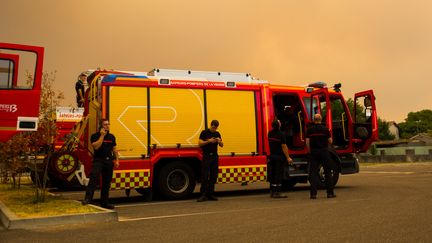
321, 183
146, 193
65, 185
37, 178
288, 184
176, 180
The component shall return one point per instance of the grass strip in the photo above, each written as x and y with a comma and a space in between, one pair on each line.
22, 202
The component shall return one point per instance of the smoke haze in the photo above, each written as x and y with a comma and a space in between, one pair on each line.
381, 45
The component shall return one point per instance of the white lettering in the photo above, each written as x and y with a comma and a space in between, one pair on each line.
8, 108
69, 114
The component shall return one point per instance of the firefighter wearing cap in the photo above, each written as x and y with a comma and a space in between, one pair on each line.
79, 88
318, 139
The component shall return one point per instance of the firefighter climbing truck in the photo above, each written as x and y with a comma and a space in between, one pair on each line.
157, 118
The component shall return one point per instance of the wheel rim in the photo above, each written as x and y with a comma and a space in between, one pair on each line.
65, 163
322, 175
177, 181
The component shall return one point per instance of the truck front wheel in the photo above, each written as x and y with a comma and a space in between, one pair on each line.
176, 180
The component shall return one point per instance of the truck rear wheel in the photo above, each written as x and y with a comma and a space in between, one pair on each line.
176, 180
288, 184
335, 174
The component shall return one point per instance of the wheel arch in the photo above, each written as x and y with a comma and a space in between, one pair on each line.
335, 157
193, 162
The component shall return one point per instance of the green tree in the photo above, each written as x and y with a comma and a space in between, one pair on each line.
416, 122
337, 109
383, 126
360, 116
383, 130
14, 153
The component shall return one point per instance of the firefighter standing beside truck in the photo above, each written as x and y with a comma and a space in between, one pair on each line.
104, 161
209, 140
278, 156
318, 139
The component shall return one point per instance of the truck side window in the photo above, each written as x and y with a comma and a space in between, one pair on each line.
6, 73
17, 69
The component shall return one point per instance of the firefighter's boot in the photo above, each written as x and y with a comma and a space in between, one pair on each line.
272, 190
277, 192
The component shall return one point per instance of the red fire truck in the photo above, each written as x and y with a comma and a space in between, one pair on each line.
20, 88
157, 118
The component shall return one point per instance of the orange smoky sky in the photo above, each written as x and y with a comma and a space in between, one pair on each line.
384, 45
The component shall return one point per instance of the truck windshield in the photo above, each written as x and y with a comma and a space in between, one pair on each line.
307, 101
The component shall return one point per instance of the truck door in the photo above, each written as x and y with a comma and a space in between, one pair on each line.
289, 110
20, 88
320, 104
365, 120
341, 123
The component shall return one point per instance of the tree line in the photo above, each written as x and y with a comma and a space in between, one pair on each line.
415, 123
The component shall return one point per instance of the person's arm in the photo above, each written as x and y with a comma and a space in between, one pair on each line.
81, 95
329, 140
219, 141
308, 145
285, 151
205, 142
116, 159
98, 143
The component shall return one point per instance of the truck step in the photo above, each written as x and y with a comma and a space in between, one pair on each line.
298, 174
300, 162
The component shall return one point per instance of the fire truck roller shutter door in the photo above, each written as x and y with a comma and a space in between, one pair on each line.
177, 116
235, 110
128, 119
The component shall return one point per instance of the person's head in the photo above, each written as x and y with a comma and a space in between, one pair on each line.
105, 124
214, 125
276, 124
82, 77
317, 118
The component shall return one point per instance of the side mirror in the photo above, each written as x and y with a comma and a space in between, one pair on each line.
367, 102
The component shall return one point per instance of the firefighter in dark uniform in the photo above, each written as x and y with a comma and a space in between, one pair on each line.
209, 140
104, 161
278, 156
318, 139
79, 88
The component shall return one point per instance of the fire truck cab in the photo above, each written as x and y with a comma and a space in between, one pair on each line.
20, 88
157, 118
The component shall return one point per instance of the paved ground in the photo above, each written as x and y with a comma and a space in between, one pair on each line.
384, 203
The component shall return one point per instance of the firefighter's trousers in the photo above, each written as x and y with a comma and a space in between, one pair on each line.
320, 157
209, 173
104, 168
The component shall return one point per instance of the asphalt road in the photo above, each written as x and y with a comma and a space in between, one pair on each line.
384, 203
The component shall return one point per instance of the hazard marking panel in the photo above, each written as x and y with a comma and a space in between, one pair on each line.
231, 174
130, 179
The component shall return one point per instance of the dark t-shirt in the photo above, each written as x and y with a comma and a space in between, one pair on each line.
318, 135
106, 149
79, 86
276, 139
210, 147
